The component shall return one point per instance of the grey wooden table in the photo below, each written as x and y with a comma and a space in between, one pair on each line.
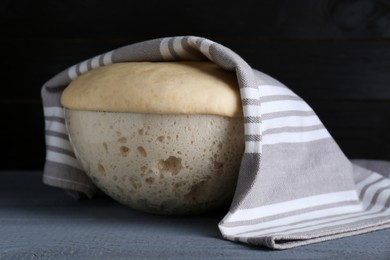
41, 222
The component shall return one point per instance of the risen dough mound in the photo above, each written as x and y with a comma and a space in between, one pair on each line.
156, 88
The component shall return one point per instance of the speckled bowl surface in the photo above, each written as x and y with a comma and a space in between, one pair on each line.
163, 164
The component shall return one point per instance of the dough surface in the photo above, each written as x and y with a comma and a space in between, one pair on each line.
162, 164
156, 88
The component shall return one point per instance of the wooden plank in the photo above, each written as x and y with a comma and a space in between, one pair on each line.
324, 69
333, 19
22, 131
260, 18
121, 17
353, 114
41, 222
320, 70
345, 80
362, 129
28, 64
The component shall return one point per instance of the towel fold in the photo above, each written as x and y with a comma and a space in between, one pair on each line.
295, 185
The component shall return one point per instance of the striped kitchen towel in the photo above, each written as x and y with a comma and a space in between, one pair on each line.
295, 185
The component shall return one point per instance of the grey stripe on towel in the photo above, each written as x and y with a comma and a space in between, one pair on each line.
295, 185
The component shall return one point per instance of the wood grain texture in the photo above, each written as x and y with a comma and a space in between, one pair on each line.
278, 18
333, 53
41, 222
22, 141
325, 69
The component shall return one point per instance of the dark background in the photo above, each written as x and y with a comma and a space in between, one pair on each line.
333, 53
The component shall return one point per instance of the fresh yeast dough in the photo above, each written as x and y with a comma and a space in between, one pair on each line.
165, 138
156, 88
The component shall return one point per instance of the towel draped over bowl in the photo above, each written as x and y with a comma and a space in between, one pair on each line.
295, 185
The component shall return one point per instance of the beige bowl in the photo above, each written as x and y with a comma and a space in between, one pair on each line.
164, 164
